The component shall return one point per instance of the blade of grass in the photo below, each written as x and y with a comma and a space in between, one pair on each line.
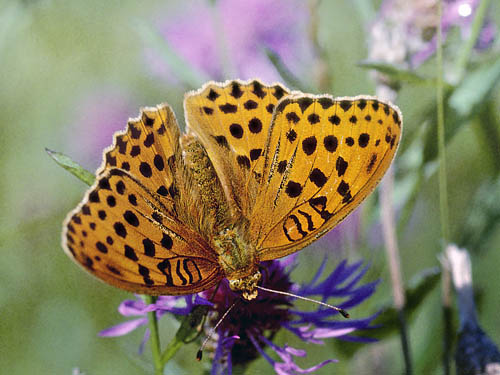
290, 79
466, 50
71, 166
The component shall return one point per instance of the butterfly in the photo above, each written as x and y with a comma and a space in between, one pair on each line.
260, 173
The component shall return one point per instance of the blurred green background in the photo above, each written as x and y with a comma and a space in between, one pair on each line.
73, 72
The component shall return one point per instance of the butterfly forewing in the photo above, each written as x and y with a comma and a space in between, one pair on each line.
232, 121
148, 149
323, 157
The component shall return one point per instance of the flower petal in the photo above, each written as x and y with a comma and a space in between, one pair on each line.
123, 328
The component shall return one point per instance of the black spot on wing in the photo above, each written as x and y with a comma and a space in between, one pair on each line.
363, 140
345, 105
371, 164
150, 138
309, 145
291, 135
318, 177
293, 189
208, 110
236, 90
341, 166
255, 125
221, 141
258, 90
331, 143
278, 92
212, 95
243, 161
130, 253
292, 117
250, 104
335, 120
304, 103
228, 108
325, 102
313, 118
236, 130
255, 153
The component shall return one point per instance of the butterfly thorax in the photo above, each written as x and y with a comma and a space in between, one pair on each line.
238, 259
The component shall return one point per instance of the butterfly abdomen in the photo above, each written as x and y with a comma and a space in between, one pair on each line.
237, 257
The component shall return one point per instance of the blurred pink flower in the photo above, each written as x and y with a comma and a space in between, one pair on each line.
96, 117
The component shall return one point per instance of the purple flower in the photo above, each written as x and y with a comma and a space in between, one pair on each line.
227, 38
250, 326
163, 305
404, 32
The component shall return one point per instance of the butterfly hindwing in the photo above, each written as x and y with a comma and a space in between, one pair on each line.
128, 236
133, 229
323, 157
232, 121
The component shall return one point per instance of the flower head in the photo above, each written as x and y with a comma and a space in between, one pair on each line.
250, 326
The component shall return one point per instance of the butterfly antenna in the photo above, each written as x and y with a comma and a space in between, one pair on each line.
199, 355
342, 311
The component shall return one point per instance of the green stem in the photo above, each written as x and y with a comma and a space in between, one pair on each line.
172, 348
443, 195
155, 337
477, 24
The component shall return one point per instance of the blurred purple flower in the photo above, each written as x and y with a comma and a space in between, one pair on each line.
251, 325
404, 31
227, 38
345, 235
96, 118
457, 13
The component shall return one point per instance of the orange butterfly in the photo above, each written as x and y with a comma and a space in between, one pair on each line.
260, 173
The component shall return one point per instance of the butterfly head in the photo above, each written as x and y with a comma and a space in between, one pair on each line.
247, 285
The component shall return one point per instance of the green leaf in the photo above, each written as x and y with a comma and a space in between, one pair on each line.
462, 103
74, 168
182, 69
482, 217
395, 72
290, 79
474, 89
191, 322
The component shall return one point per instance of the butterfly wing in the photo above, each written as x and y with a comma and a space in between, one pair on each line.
323, 157
127, 230
232, 121
148, 149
